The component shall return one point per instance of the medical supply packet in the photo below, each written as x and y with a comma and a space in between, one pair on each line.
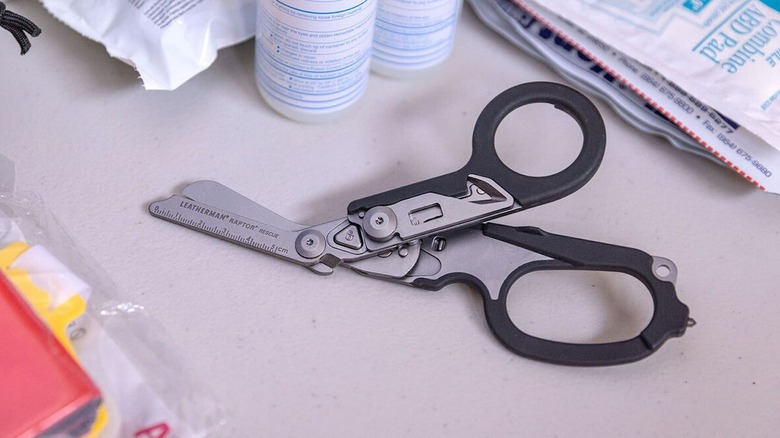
535, 38
726, 52
145, 388
639, 94
738, 147
168, 42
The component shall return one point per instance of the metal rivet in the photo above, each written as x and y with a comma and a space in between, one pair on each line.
380, 223
310, 244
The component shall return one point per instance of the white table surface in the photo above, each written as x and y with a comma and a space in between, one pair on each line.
289, 353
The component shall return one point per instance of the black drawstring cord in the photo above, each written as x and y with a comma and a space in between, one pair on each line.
18, 25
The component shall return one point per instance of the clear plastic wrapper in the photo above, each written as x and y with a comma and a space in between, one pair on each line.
146, 390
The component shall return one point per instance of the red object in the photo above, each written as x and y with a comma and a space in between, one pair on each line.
161, 430
42, 388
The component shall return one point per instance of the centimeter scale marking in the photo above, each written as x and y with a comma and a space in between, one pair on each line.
183, 216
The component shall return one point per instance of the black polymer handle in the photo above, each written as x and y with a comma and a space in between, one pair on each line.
670, 316
529, 191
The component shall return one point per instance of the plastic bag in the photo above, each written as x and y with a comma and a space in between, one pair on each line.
146, 390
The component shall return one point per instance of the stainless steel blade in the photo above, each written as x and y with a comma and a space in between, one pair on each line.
395, 264
320, 248
230, 226
468, 251
219, 196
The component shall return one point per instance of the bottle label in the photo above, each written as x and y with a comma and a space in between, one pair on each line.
314, 56
414, 34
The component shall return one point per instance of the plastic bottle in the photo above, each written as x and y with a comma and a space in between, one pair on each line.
312, 58
413, 36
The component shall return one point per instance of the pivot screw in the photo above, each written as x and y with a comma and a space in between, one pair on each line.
310, 244
380, 223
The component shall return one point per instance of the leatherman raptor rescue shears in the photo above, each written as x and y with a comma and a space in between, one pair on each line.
437, 232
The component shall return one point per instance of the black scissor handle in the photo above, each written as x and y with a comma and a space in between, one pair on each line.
670, 316
529, 191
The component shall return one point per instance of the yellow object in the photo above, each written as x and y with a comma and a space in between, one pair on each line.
57, 318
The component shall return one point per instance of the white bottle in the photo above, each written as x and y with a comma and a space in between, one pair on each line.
413, 36
312, 58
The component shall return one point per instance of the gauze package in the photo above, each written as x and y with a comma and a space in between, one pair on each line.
167, 41
726, 52
639, 94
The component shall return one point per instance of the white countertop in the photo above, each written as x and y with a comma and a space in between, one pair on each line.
289, 353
